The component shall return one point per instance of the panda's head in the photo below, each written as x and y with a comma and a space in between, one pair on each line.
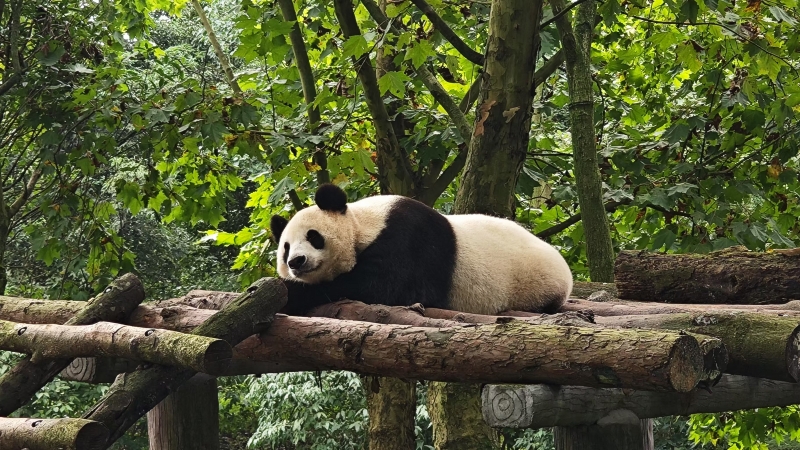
318, 243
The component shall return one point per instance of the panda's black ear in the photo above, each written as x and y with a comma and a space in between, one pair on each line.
330, 197
277, 224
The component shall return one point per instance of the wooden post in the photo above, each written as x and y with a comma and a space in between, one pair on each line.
623, 432
188, 418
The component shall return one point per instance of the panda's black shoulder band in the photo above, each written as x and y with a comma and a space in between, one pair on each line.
330, 197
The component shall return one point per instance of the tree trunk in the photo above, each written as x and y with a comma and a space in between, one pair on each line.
452, 407
503, 119
115, 303
49, 434
392, 408
577, 46
171, 348
131, 396
187, 419
728, 277
541, 406
758, 345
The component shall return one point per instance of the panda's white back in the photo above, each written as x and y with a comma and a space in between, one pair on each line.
501, 266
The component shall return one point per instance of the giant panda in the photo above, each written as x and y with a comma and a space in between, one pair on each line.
396, 251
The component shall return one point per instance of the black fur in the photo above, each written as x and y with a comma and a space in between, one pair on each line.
411, 261
330, 197
277, 224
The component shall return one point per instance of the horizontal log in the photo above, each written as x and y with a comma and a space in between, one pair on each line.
584, 289
49, 434
758, 345
130, 397
166, 347
97, 370
540, 406
629, 308
732, 276
510, 352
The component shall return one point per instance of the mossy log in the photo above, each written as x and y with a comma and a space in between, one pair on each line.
510, 352
50, 434
115, 303
108, 339
398, 315
758, 345
540, 406
133, 394
630, 308
726, 277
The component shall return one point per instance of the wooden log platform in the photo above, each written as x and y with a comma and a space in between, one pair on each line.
731, 276
540, 406
108, 339
115, 303
631, 308
50, 434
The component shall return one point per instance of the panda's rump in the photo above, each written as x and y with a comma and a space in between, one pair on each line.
501, 266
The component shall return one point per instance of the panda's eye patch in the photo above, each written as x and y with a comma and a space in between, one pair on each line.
285, 252
316, 239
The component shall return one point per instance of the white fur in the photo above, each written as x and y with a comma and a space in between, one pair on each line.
502, 266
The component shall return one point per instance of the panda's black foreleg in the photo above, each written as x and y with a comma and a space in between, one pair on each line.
304, 297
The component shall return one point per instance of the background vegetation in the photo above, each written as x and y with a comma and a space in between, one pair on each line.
125, 146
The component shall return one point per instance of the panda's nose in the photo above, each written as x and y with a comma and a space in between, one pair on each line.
297, 262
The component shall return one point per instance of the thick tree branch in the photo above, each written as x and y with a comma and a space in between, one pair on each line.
10, 83
221, 56
16, 12
307, 81
25, 194
572, 220
442, 27
471, 96
560, 14
394, 167
548, 68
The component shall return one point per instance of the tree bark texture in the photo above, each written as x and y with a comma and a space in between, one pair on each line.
132, 395
50, 434
577, 47
616, 435
629, 308
541, 406
115, 303
758, 345
171, 348
512, 352
307, 82
503, 118
454, 407
729, 277
187, 419
394, 168
221, 54
392, 408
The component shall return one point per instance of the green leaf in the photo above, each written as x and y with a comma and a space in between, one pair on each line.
769, 65
130, 196
52, 56
689, 10
419, 53
753, 119
355, 46
664, 238
781, 15
687, 56
664, 39
214, 131
394, 82
677, 133
281, 189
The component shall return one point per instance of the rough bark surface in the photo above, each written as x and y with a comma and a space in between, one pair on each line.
453, 407
115, 303
541, 406
187, 419
758, 345
171, 348
398, 315
726, 277
628, 308
49, 434
132, 395
513, 352
503, 119
577, 47
391, 404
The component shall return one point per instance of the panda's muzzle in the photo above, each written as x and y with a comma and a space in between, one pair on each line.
297, 262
